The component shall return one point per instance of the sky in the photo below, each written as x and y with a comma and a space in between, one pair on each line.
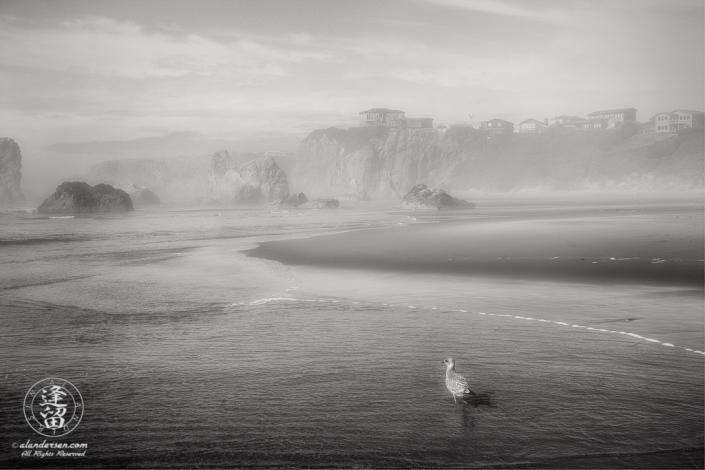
272, 71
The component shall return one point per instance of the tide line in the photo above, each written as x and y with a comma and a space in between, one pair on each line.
518, 317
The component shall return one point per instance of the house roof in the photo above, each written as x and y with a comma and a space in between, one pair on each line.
611, 111
688, 111
499, 120
381, 110
531, 120
685, 111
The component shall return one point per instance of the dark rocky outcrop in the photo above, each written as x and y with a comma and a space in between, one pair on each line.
421, 197
79, 197
205, 201
10, 174
320, 204
141, 196
254, 182
293, 200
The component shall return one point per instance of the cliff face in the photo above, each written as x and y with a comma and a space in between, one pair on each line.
10, 174
255, 181
388, 162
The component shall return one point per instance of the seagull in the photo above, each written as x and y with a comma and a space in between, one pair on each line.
456, 383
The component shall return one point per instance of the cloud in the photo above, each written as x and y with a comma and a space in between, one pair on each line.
110, 47
499, 7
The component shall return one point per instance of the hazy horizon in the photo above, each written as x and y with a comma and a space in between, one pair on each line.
83, 71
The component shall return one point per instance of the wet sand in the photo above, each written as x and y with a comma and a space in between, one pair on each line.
636, 244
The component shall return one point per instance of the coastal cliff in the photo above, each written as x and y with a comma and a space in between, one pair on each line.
10, 172
387, 162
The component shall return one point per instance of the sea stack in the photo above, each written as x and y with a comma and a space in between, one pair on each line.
421, 197
10, 174
79, 197
254, 182
141, 195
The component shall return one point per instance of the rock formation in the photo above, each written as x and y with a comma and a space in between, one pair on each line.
387, 162
10, 174
256, 181
140, 195
320, 204
292, 200
79, 197
421, 197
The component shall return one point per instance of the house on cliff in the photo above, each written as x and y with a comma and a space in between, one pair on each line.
589, 124
566, 121
532, 126
392, 118
496, 126
614, 117
678, 119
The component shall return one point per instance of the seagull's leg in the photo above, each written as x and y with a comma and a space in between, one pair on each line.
454, 400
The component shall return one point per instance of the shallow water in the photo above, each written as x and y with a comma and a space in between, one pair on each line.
187, 352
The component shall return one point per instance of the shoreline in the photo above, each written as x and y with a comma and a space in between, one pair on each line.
596, 244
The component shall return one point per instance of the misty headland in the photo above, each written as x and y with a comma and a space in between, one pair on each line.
383, 162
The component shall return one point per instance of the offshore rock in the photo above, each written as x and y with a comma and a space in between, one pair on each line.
256, 181
140, 195
294, 200
79, 197
10, 174
421, 197
205, 201
320, 204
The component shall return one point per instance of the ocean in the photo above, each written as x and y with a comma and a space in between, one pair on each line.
194, 346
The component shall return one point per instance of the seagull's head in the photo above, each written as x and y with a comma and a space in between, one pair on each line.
449, 362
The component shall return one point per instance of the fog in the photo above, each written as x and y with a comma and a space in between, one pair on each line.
249, 234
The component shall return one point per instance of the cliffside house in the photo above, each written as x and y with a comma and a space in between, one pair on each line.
496, 126
678, 119
392, 118
532, 126
381, 117
590, 124
566, 121
615, 117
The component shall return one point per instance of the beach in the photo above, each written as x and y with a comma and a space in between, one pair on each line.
606, 249
240, 337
